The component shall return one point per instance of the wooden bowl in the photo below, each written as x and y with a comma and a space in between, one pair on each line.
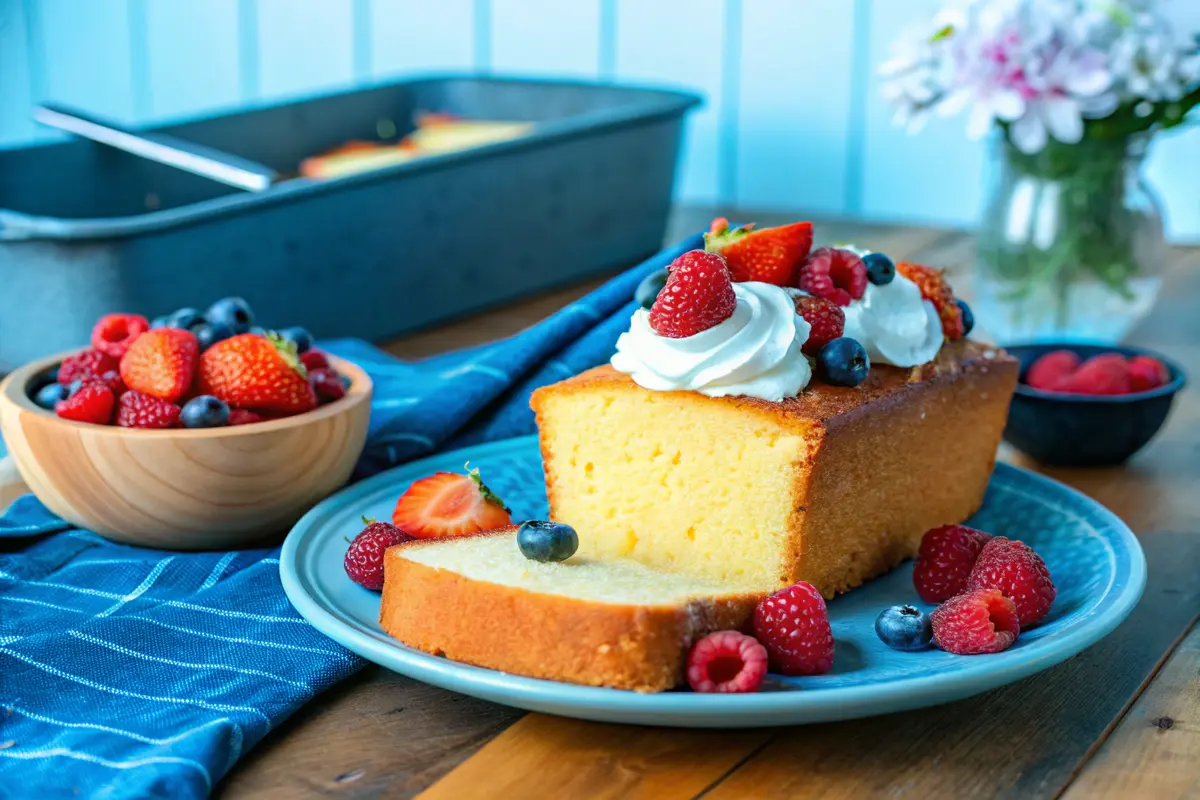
185, 489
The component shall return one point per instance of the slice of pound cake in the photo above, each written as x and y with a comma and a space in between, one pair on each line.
616, 623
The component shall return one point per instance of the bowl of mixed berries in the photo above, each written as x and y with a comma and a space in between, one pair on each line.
1089, 405
192, 431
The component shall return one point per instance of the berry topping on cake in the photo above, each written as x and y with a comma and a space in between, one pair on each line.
364, 557
968, 317
982, 621
449, 504
698, 295
262, 373
647, 291
88, 364
769, 255
115, 332
881, 270
1017, 572
92, 402
137, 410
726, 662
793, 625
945, 560
935, 289
827, 321
1051, 370
843, 362
904, 628
161, 363
1147, 372
834, 273
541, 540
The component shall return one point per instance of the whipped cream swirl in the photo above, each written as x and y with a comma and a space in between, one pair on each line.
895, 324
756, 352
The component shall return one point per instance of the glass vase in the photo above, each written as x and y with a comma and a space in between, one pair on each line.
1071, 247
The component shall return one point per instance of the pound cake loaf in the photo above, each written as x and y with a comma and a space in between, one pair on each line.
615, 623
833, 486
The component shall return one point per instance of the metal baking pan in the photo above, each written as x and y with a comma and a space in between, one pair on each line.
85, 229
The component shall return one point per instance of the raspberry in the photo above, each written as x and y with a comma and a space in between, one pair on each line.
240, 416
794, 627
1105, 374
827, 321
982, 621
364, 557
137, 410
835, 274
327, 384
945, 560
726, 662
88, 364
1049, 371
112, 379
1146, 372
313, 360
698, 296
933, 286
115, 332
1017, 572
93, 402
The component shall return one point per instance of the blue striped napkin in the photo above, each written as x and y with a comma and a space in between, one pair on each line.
129, 673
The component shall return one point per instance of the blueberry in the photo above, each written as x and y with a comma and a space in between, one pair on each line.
232, 312
209, 334
302, 338
160, 322
258, 330
186, 318
204, 411
843, 362
48, 395
904, 628
880, 269
547, 541
74, 386
649, 288
968, 317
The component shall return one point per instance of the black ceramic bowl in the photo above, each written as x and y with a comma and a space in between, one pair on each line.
1074, 430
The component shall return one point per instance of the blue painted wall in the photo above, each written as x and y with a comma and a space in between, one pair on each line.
794, 119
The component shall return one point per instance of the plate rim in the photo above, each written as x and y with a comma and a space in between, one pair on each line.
687, 708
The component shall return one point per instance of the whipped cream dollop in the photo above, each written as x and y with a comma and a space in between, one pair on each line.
756, 352
895, 324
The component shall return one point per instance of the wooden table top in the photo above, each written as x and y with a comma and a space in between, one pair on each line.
1121, 719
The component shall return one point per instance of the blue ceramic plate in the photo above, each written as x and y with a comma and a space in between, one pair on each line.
1095, 560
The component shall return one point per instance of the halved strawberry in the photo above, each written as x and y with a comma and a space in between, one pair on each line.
449, 504
770, 255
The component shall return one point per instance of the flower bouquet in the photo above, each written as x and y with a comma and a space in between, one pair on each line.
1072, 238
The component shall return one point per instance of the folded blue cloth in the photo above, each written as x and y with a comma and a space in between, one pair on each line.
130, 673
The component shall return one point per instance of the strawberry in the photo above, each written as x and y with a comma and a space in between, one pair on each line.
1051, 370
945, 560
933, 286
92, 402
837, 275
1017, 572
364, 557
980, 621
449, 504
327, 384
698, 296
827, 321
137, 410
114, 333
1107, 373
161, 363
88, 364
770, 255
726, 662
261, 373
1146, 373
793, 624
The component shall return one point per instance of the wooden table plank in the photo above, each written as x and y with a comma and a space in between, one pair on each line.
589, 759
1155, 750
